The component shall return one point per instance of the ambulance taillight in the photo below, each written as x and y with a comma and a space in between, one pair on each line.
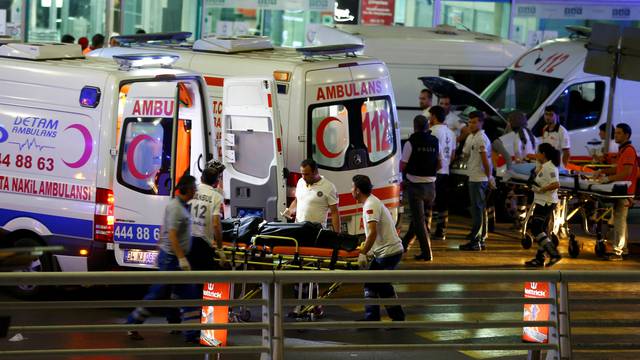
103, 218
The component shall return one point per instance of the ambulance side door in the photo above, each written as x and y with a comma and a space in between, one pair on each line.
253, 181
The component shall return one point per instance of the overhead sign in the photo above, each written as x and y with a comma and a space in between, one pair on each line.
377, 12
579, 12
314, 5
346, 12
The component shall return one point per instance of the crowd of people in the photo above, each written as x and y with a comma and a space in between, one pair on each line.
97, 41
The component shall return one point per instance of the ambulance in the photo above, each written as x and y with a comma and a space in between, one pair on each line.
470, 58
328, 104
90, 152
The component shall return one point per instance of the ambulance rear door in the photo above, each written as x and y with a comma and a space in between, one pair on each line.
254, 181
155, 148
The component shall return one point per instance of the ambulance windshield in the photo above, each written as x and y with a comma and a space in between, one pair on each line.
516, 90
352, 134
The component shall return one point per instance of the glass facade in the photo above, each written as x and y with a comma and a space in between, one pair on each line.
49, 20
11, 12
489, 17
155, 16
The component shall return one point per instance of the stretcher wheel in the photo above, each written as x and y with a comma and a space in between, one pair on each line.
600, 248
574, 247
555, 240
245, 316
526, 241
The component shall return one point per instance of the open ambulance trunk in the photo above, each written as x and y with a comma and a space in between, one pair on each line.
161, 137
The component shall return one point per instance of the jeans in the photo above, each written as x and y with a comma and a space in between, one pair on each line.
442, 203
620, 212
421, 196
168, 262
478, 204
382, 290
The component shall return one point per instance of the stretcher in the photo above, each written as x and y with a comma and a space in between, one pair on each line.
578, 194
283, 246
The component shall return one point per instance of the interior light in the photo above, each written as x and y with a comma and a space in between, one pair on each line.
89, 96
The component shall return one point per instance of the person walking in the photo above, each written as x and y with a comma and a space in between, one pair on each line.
447, 147
381, 243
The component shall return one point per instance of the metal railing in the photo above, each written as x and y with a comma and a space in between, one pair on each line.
273, 302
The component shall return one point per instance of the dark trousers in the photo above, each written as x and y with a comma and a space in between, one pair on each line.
539, 224
168, 262
478, 204
421, 196
202, 255
382, 290
441, 206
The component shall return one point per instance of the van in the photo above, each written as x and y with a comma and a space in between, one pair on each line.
329, 105
90, 152
470, 58
552, 74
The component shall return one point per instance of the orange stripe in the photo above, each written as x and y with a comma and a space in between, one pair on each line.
384, 193
214, 81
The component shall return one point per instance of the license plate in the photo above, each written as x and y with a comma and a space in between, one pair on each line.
146, 257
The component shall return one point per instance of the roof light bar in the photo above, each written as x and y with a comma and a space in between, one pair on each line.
172, 37
129, 61
233, 44
348, 50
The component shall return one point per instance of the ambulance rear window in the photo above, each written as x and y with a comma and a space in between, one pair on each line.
352, 134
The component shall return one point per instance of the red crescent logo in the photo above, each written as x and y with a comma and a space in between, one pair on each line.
320, 138
131, 153
88, 146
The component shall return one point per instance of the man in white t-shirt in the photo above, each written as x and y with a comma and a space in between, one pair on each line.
206, 228
447, 147
425, 101
477, 150
382, 243
315, 197
452, 120
555, 134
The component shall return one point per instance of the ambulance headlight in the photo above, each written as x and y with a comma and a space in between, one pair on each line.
89, 96
127, 62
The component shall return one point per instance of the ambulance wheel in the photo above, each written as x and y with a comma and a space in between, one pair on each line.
245, 316
600, 248
527, 241
574, 247
41, 264
555, 240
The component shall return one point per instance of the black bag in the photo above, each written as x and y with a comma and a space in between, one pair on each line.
306, 233
240, 231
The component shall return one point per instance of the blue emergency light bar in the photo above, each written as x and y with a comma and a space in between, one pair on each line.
129, 61
166, 38
328, 50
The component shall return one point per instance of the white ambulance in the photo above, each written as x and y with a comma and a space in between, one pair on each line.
470, 58
552, 74
333, 106
90, 152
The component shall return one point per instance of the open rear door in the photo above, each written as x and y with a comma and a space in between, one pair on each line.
254, 181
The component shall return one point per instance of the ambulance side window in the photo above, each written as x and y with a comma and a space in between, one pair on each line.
145, 155
579, 106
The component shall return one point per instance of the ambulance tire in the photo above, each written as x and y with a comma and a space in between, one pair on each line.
574, 247
526, 241
42, 264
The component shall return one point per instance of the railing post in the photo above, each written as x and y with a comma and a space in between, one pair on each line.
278, 332
564, 322
553, 314
267, 318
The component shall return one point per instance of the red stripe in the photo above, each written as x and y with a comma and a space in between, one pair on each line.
385, 193
269, 99
279, 144
214, 81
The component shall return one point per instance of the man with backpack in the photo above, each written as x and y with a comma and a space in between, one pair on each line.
626, 170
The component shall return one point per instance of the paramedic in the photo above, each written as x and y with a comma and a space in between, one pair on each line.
382, 242
545, 198
603, 155
420, 162
447, 148
556, 134
477, 150
315, 196
524, 143
626, 170
425, 101
205, 222
174, 244
452, 120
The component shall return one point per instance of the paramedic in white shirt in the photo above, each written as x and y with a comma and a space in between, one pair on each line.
555, 134
606, 156
382, 243
447, 147
545, 198
425, 101
206, 229
315, 197
452, 120
524, 143
477, 150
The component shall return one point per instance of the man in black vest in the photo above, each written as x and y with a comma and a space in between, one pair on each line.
420, 163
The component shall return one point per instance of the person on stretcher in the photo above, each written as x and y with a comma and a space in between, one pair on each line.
545, 198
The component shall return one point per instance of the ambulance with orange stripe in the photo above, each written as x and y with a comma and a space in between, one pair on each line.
327, 104
90, 152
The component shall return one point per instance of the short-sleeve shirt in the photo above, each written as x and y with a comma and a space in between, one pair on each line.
477, 147
453, 122
558, 138
204, 206
176, 217
548, 174
313, 200
406, 155
627, 156
446, 145
387, 242
520, 149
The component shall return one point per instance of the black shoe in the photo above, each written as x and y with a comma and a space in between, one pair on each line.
424, 257
134, 335
471, 246
535, 262
614, 257
554, 260
483, 246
